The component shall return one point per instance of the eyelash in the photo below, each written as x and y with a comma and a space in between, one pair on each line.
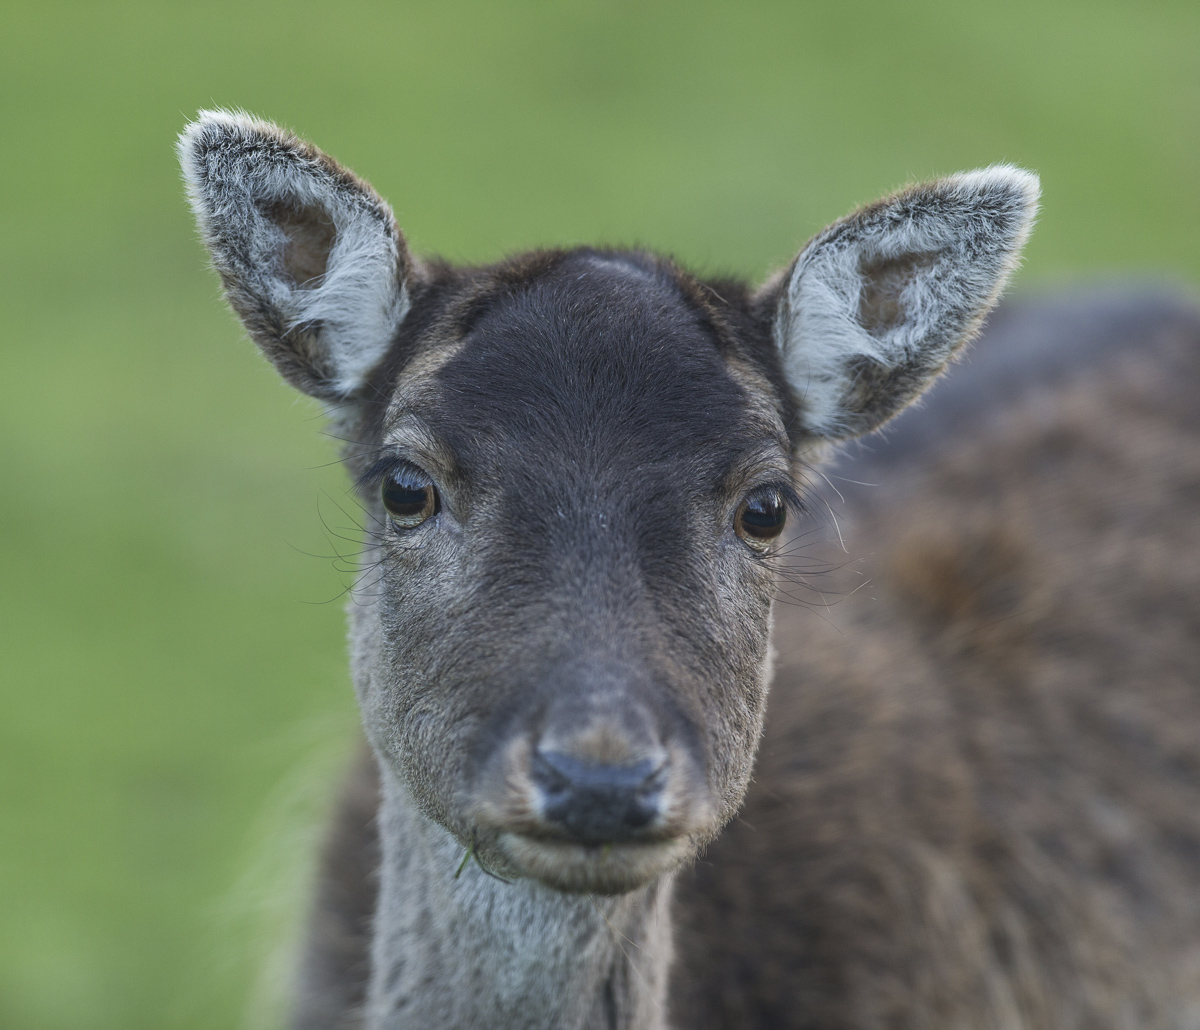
369, 480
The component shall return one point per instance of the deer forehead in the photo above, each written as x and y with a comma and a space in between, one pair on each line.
589, 374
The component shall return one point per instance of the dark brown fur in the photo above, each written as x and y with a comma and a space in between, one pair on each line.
331, 987
977, 803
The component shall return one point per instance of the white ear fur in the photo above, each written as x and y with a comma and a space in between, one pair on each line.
327, 334
876, 305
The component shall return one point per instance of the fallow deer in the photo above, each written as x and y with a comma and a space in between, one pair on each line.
977, 801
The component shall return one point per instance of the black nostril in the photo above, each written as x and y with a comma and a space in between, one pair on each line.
595, 802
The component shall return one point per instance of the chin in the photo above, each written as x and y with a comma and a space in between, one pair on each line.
615, 867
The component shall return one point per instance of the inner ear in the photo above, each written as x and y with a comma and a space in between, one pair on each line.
310, 237
880, 302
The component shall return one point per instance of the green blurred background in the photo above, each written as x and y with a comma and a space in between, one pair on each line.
175, 700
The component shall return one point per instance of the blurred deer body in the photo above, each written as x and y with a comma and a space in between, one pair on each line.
576, 467
977, 801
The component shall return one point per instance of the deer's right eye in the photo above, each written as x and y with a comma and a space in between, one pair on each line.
409, 498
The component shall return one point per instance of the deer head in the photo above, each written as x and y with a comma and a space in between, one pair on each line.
575, 467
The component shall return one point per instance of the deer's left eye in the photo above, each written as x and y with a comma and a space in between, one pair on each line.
409, 497
761, 518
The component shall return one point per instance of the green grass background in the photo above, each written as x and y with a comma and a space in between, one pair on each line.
174, 697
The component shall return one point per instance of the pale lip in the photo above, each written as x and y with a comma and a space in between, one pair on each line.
603, 868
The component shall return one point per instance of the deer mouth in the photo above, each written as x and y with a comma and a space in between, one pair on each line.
594, 867
586, 825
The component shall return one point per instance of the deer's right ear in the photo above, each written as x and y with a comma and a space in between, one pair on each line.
309, 254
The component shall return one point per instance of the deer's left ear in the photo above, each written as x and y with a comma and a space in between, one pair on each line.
309, 255
876, 305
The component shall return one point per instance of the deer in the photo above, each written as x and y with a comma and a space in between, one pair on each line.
591, 480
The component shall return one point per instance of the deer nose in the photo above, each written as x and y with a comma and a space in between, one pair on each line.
598, 802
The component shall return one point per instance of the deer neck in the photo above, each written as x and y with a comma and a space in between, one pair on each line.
472, 950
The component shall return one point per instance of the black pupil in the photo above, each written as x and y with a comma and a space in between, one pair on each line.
401, 499
763, 516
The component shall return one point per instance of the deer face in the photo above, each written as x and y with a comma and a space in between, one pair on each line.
575, 466
566, 645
